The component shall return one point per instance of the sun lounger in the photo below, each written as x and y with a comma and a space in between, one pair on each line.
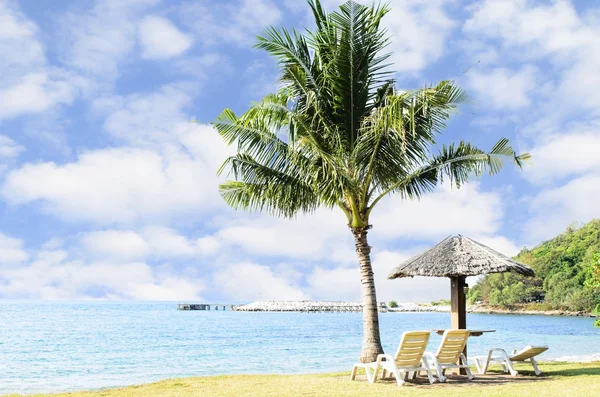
500, 356
407, 361
450, 353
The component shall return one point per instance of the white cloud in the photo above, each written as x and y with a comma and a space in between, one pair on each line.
9, 148
11, 251
19, 47
140, 119
168, 170
467, 211
556, 207
344, 282
52, 277
97, 41
203, 66
416, 289
503, 88
501, 244
419, 31
115, 245
547, 27
28, 84
248, 281
237, 24
340, 283
120, 185
565, 154
167, 243
151, 242
311, 236
34, 93
208, 245
552, 34
160, 39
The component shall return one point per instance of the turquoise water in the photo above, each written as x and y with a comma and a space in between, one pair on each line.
50, 347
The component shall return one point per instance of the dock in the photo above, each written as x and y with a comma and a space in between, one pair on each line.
205, 306
285, 306
308, 307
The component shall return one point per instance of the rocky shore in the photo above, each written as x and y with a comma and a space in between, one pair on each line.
492, 310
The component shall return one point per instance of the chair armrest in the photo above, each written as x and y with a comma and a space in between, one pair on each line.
384, 357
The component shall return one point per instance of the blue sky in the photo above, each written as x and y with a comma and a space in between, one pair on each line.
108, 190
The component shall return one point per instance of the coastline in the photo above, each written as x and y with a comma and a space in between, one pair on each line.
491, 310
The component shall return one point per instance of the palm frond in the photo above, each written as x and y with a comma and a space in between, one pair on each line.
458, 163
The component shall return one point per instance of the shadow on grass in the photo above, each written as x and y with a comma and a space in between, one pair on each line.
572, 372
492, 378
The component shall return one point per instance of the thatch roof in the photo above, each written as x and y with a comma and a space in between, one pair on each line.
458, 256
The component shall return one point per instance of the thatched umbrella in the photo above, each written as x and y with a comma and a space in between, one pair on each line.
458, 257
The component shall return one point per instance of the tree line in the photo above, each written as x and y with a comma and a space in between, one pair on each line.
567, 270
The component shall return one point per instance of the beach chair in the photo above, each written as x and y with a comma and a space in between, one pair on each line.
500, 356
450, 354
408, 360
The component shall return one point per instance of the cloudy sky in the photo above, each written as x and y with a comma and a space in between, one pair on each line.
108, 189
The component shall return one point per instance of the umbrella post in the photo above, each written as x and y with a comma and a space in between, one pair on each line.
458, 306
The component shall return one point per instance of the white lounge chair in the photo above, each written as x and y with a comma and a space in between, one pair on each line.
450, 353
500, 356
408, 360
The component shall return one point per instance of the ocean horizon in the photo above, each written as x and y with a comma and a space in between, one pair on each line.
69, 346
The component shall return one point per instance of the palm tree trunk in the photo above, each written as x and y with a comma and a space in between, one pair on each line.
371, 345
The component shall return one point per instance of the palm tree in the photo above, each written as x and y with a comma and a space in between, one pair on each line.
339, 135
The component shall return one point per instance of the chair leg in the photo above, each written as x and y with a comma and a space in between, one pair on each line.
511, 369
467, 369
487, 363
428, 370
399, 379
375, 372
535, 367
478, 366
353, 374
441, 373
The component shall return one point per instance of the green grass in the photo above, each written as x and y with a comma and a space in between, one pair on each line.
564, 379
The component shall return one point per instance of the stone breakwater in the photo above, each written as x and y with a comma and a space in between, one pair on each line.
419, 307
333, 306
304, 306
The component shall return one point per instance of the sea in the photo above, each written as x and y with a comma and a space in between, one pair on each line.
54, 347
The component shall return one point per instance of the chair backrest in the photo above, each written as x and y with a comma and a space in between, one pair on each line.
411, 348
528, 352
452, 345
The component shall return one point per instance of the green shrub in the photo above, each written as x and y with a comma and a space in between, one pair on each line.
580, 300
597, 323
393, 304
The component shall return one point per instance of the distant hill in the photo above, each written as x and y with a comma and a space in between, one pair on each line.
567, 272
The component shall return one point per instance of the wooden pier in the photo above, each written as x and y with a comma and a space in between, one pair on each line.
308, 307
206, 306
284, 306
